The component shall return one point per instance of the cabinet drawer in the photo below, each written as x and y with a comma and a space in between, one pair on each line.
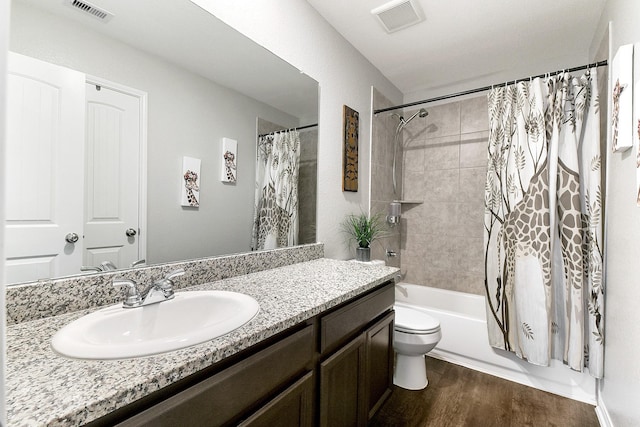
338, 326
222, 398
292, 407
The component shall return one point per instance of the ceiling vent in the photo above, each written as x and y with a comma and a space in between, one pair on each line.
90, 9
398, 14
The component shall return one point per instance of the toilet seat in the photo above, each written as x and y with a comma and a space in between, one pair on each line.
413, 321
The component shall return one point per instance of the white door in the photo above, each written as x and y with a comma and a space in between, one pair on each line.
113, 138
44, 169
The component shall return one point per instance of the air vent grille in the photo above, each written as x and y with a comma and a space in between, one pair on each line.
91, 9
398, 14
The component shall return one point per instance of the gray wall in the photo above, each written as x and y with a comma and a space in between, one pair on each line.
620, 388
187, 116
445, 161
309, 43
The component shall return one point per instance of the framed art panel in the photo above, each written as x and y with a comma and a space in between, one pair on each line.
229, 161
190, 192
622, 99
351, 127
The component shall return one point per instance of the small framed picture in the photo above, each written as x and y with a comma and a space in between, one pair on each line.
229, 161
190, 194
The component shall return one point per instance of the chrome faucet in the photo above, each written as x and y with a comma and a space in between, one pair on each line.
159, 291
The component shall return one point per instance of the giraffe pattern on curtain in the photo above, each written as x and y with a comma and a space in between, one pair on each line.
543, 231
275, 222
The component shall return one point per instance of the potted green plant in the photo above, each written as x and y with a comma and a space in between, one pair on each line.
363, 230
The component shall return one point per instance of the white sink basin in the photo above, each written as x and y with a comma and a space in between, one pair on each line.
190, 318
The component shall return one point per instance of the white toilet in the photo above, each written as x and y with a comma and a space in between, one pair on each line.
415, 334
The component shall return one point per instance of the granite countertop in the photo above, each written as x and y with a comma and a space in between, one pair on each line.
44, 388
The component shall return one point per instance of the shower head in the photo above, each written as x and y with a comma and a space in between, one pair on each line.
421, 112
397, 141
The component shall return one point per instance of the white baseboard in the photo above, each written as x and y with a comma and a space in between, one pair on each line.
601, 411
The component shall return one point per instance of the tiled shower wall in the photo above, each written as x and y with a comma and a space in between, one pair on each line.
307, 188
445, 159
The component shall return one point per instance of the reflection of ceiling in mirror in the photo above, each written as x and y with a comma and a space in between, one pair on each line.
185, 34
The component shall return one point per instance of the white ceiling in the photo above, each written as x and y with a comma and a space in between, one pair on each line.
190, 37
468, 42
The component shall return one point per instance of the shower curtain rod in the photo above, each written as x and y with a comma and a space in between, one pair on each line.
287, 130
482, 89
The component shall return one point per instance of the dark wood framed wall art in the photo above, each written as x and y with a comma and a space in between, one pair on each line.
351, 127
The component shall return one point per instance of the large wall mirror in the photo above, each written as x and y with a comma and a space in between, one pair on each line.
174, 80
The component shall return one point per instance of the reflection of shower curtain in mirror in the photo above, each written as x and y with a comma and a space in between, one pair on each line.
275, 221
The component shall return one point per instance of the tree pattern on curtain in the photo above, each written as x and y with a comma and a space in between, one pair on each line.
275, 220
543, 230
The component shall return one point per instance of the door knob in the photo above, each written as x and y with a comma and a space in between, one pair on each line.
130, 232
71, 238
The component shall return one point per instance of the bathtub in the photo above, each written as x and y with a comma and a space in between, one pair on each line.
465, 342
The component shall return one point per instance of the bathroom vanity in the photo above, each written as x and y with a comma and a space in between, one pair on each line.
318, 352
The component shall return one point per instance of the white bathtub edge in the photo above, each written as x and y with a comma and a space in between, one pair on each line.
465, 342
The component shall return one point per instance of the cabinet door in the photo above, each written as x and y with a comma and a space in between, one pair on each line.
342, 402
292, 407
379, 357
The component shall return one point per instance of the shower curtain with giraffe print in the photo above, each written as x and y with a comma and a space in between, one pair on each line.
543, 222
275, 219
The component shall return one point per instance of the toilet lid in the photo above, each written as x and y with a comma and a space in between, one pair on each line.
414, 321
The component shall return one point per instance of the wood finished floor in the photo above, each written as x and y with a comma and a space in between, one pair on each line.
458, 396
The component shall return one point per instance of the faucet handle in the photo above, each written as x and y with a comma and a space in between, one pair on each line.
137, 263
166, 283
175, 273
108, 266
132, 296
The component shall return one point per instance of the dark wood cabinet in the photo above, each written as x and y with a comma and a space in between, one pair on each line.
335, 369
222, 398
342, 384
357, 378
292, 407
379, 363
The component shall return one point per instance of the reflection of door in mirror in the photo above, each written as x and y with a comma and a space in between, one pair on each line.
63, 165
113, 133
45, 147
